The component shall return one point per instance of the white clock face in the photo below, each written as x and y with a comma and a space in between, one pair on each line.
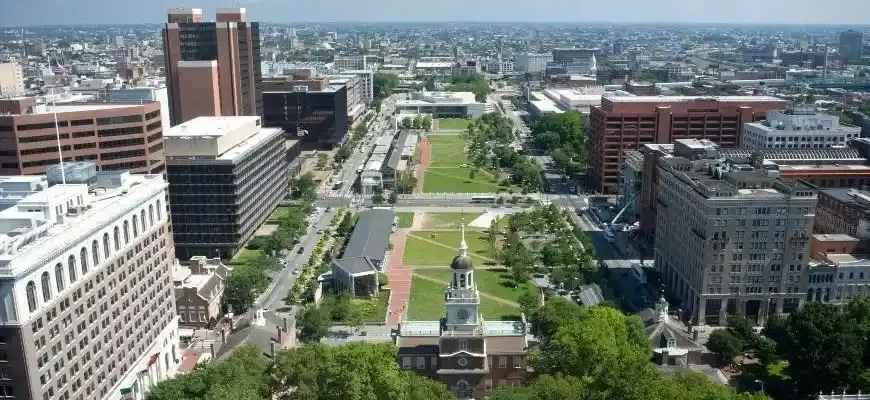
462, 314
462, 361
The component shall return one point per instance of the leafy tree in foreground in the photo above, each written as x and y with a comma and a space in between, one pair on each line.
725, 344
352, 371
241, 376
312, 323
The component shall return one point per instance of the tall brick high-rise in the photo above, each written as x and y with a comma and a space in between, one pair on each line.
212, 68
628, 122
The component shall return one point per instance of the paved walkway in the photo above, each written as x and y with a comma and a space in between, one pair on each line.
425, 155
482, 294
400, 280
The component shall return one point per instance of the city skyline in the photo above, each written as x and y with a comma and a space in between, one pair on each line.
59, 12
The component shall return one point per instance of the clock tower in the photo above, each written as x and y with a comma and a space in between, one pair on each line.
462, 299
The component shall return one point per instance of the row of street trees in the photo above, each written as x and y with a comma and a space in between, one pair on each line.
420, 121
250, 278
490, 140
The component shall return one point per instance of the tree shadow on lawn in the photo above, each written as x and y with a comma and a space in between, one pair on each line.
775, 385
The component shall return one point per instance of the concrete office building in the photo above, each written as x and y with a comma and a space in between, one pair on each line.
628, 122
443, 105
823, 168
159, 94
226, 176
115, 136
342, 63
368, 82
86, 304
356, 96
798, 128
532, 62
212, 68
307, 108
500, 67
851, 45
11, 80
576, 61
732, 239
844, 211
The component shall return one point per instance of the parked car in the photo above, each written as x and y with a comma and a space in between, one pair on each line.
296, 271
301, 250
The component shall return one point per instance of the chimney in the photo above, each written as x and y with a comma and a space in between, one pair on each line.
211, 348
272, 349
665, 356
279, 334
695, 335
223, 336
285, 324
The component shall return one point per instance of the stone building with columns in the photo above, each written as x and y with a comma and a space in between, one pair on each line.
732, 239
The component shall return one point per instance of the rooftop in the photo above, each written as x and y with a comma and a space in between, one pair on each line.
32, 231
216, 138
688, 99
371, 235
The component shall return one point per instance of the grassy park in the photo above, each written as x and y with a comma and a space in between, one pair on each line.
406, 219
448, 220
453, 123
427, 301
422, 248
449, 171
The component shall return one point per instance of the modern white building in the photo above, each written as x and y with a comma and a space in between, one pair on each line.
798, 128
838, 278
86, 300
11, 80
442, 105
532, 62
500, 67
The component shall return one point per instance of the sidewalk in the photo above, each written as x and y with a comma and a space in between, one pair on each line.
399, 276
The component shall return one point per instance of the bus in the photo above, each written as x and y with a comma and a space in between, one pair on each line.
483, 199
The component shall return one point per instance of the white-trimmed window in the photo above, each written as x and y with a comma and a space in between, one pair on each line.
421, 362
502, 361
406, 362
518, 361
487, 385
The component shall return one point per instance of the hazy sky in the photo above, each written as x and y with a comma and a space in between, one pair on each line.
49, 12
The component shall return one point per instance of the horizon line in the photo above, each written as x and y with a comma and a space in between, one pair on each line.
529, 22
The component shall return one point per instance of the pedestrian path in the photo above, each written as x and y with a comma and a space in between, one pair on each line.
399, 277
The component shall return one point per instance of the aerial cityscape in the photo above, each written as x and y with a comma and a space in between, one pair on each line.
426, 200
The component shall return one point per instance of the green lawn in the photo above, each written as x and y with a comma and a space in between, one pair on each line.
495, 282
279, 212
245, 256
453, 123
457, 180
447, 151
427, 303
421, 252
406, 219
374, 310
448, 220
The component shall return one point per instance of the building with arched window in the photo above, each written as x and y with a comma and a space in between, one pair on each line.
473, 357
53, 263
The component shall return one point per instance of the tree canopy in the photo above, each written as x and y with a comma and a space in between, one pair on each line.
564, 136
384, 83
353, 371
241, 376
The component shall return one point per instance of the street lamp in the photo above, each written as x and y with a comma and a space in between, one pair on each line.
760, 382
